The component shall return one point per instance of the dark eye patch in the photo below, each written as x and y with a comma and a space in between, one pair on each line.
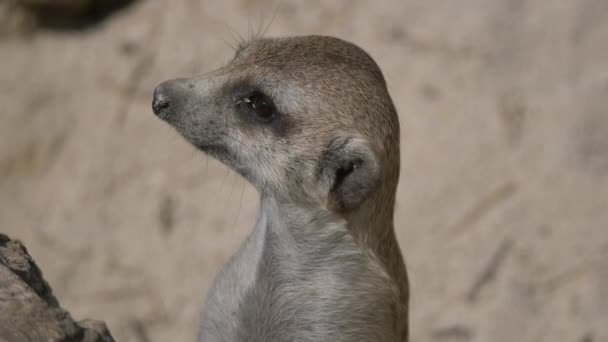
258, 109
258, 105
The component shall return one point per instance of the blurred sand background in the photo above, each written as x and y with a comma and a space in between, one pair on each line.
503, 202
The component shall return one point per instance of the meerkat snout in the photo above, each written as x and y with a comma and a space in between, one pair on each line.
310, 123
161, 101
168, 98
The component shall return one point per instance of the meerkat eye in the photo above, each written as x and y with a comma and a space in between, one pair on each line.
259, 104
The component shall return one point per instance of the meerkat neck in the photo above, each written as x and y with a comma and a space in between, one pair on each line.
371, 225
280, 216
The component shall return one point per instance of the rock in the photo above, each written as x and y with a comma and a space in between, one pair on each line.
24, 16
28, 309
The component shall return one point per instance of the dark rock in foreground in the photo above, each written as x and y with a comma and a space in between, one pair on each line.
28, 309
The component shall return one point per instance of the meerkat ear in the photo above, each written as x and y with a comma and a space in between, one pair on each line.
350, 172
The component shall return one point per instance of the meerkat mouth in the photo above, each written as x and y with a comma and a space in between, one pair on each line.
212, 148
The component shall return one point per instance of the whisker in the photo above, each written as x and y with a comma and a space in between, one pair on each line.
224, 179
206, 165
238, 38
249, 30
232, 187
229, 45
238, 212
233, 139
260, 24
274, 16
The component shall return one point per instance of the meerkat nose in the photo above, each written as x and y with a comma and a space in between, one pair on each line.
160, 101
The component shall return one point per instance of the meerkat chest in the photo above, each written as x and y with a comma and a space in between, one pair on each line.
311, 288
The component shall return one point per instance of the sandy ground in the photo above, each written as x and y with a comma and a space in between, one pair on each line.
503, 201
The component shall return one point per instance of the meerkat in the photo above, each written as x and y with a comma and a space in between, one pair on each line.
310, 123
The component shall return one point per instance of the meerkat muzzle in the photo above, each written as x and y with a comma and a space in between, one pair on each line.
167, 98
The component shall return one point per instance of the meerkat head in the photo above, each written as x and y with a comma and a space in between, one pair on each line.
306, 119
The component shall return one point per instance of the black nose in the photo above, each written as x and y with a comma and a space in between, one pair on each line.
161, 101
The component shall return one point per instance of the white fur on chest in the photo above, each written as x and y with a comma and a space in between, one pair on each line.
299, 285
